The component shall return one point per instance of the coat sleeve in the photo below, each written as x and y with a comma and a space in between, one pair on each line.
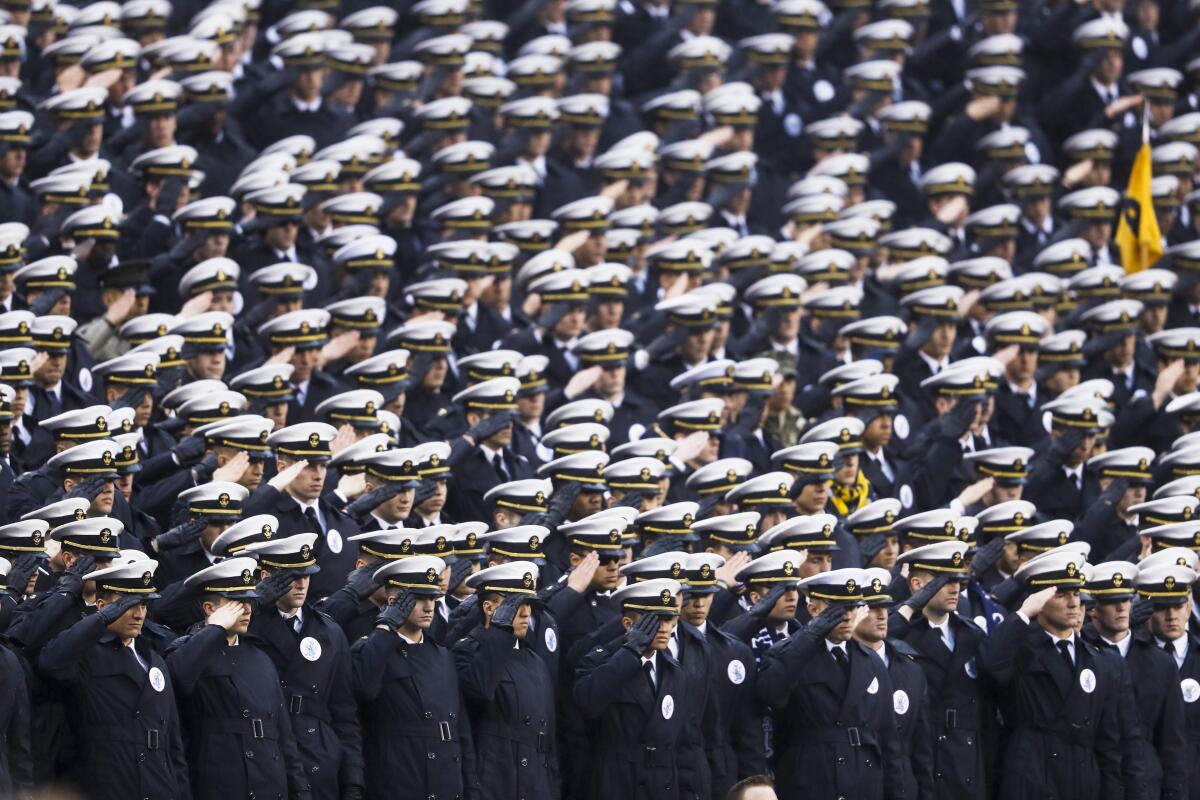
601, 677
369, 658
190, 654
341, 607
62, 660
782, 668
1000, 653
33, 627
481, 659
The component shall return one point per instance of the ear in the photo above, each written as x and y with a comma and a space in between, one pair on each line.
574, 559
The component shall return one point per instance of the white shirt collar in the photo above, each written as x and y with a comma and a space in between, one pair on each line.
1122, 646
933, 364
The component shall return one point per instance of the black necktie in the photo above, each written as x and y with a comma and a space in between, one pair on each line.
839, 655
1170, 648
310, 514
1064, 648
648, 668
501, 470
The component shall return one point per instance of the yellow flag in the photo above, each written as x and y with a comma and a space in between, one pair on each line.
1137, 231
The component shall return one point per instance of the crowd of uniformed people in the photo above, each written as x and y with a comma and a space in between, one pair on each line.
598, 399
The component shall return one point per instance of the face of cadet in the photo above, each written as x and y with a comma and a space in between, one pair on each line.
296, 596
873, 628
1171, 622
128, 625
243, 621
844, 629
308, 484
1063, 611
1111, 617
695, 609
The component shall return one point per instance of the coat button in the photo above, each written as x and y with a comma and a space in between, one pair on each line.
249, 754
431, 756
141, 758
245, 713
428, 715
250, 796
524, 762
526, 720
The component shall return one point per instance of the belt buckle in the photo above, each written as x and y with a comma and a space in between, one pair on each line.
855, 738
152, 739
444, 730
295, 703
256, 726
951, 718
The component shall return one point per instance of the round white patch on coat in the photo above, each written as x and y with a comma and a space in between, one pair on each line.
874, 687
551, 640
334, 540
900, 701
158, 682
1190, 689
1087, 680
668, 707
736, 671
310, 648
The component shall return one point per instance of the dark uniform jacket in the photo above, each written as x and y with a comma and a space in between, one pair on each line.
910, 704
1063, 736
634, 732
510, 694
735, 749
416, 733
1158, 703
16, 756
961, 711
315, 674
835, 730
127, 731
240, 742
336, 554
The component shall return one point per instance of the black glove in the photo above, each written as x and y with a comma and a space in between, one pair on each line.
488, 427
870, 547
632, 499
986, 557
113, 611
663, 544
195, 116
21, 571
46, 301
665, 344
169, 380
180, 535
362, 581
185, 248
131, 399
274, 587
260, 313
1063, 446
418, 367
919, 600
767, 324
560, 504
459, 571
189, 451
762, 609
71, 580
1139, 613
1010, 593
464, 609
396, 612
1112, 495
960, 418
202, 472
824, 622
368, 502
167, 201
90, 489
426, 490
920, 333
1090, 61
641, 634
75, 134
708, 505
506, 612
